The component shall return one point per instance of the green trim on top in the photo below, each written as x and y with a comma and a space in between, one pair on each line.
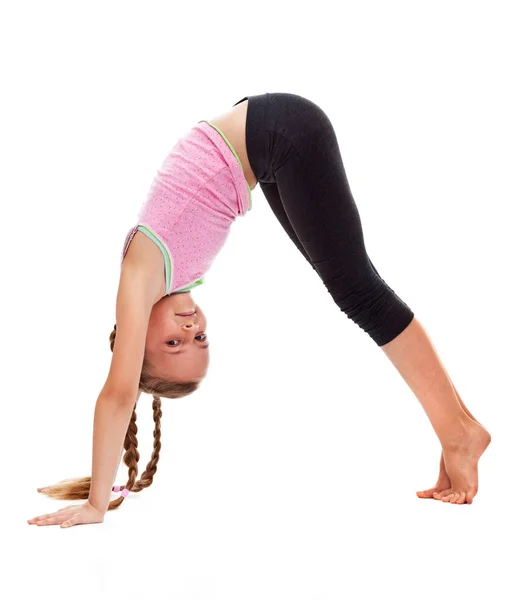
166, 255
234, 152
190, 286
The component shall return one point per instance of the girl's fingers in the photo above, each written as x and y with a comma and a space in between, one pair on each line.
49, 515
40, 517
59, 519
75, 520
51, 521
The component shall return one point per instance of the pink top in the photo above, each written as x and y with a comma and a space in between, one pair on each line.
197, 193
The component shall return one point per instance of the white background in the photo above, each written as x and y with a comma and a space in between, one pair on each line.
291, 473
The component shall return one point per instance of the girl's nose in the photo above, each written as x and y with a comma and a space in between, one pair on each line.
190, 325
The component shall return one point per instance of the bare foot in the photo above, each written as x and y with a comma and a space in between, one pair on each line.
443, 482
461, 465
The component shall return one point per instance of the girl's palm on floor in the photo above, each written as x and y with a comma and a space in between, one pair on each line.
75, 514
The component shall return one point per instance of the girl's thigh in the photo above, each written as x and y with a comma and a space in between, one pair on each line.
313, 201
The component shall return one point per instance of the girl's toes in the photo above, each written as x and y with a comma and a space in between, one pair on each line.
462, 498
427, 493
448, 497
441, 495
470, 495
454, 497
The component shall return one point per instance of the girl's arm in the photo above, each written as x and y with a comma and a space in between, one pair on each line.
138, 291
110, 423
141, 285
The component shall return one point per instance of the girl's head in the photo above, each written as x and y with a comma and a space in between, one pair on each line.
176, 341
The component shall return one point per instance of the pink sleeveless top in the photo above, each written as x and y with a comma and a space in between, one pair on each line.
195, 196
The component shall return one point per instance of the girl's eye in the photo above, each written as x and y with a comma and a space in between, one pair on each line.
203, 337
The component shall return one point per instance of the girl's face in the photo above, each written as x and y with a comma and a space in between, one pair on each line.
177, 345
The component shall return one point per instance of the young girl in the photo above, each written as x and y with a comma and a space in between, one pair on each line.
287, 144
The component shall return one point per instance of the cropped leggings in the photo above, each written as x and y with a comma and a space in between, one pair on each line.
294, 154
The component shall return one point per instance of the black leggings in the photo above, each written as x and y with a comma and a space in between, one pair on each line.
294, 154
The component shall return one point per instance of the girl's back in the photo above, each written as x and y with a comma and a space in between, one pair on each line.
195, 196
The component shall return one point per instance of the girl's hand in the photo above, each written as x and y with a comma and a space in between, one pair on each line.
75, 514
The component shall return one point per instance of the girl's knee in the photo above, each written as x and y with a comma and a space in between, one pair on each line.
376, 309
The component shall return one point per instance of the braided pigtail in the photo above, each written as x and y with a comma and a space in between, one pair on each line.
79, 489
147, 476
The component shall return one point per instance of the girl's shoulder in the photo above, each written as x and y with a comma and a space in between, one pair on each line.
141, 252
